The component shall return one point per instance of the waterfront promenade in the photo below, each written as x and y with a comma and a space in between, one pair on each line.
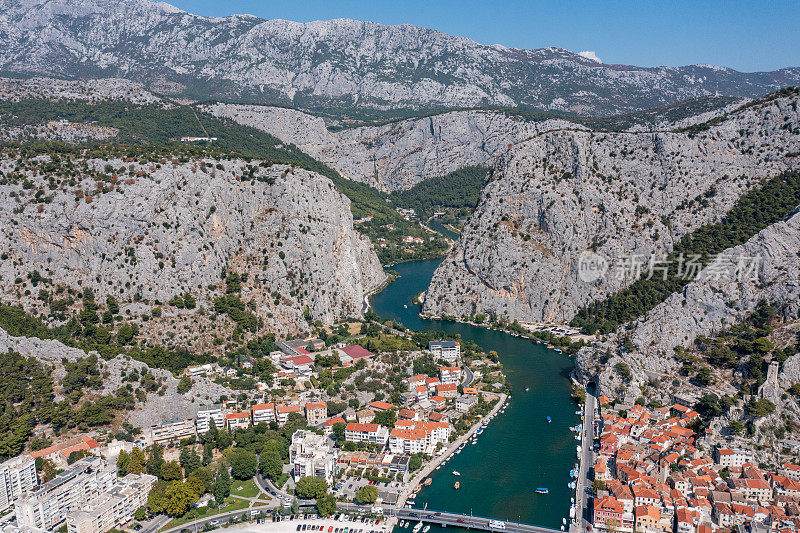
468, 521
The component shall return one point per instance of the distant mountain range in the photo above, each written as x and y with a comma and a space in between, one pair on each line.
335, 65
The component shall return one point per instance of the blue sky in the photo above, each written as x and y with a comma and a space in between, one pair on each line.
747, 36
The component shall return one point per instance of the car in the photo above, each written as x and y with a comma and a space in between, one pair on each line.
460, 521
137, 527
437, 514
330, 529
298, 527
214, 522
589, 528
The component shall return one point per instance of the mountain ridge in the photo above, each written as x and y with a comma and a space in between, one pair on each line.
341, 63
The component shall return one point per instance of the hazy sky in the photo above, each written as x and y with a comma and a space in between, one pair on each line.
747, 36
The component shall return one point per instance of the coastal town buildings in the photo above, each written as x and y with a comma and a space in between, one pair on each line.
208, 414
369, 433
312, 455
112, 507
17, 476
450, 351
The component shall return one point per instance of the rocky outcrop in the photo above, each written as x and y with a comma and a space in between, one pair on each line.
156, 230
337, 64
398, 155
89, 90
565, 198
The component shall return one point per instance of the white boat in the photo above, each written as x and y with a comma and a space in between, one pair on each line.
417, 527
405, 306
426, 529
456, 473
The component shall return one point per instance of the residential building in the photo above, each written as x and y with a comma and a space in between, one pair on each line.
198, 370
208, 414
450, 374
413, 436
607, 512
355, 352
47, 505
648, 519
282, 413
447, 390
732, 457
173, 430
112, 508
312, 455
381, 406
263, 412
59, 452
450, 351
237, 420
464, 403
370, 433
316, 413
365, 416
17, 475
438, 402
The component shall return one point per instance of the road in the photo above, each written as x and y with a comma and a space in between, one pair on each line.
583, 482
467, 521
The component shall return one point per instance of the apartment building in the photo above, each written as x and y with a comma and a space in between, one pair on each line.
59, 452
47, 505
450, 374
732, 457
316, 413
447, 390
173, 430
450, 351
17, 475
282, 413
405, 440
312, 455
208, 414
370, 433
113, 507
237, 420
263, 412
466, 402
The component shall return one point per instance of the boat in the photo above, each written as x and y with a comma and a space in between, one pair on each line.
550, 346
557, 350
426, 529
403, 524
564, 521
417, 527
527, 389
427, 482
548, 419
480, 430
456, 473
571, 484
456, 485
542, 490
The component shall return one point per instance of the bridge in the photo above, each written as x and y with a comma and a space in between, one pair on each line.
443, 518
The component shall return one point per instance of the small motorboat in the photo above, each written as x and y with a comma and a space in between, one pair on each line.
456, 473
426, 529
405, 306
527, 389
417, 527
456, 485
548, 419
427, 482
542, 490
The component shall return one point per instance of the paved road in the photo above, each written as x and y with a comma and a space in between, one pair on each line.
467, 521
586, 463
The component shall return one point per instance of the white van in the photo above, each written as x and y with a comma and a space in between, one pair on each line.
497, 524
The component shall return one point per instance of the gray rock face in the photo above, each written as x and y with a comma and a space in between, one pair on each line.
94, 90
393, 156
335, 64
160, 232
626, 197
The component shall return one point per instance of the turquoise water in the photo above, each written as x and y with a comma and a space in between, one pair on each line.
519, 451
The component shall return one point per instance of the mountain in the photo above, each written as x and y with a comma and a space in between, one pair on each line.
566, 192
336, 65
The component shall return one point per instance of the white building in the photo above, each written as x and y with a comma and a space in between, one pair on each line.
173, 430
465, 402
112, 508
732, 457
311, 455
208, 413
282, 413
17, 475
414, 436
370, 433
207, 369
263, 412
450, 351
450, 374
47, 505
237, 421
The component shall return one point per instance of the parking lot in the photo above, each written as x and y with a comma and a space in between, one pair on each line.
287, 524
348, 486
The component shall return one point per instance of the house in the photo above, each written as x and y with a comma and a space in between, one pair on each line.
648, 519
413, 436
299, 363
726, 457
369, 433
438, 402
59, 452
356, 352
607, 512
464, 403
450, 374
447, 390
381, 406
263, 412
197, 370
365, 415
282, 413
450, 351
316, 413
237, 420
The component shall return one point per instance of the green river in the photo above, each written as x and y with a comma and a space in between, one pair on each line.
519, 451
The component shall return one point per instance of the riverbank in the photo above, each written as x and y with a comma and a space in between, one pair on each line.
430, 467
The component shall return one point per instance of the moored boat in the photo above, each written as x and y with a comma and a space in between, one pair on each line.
542, 490
458, 484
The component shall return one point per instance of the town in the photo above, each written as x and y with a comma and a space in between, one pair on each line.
89, 486
656, 470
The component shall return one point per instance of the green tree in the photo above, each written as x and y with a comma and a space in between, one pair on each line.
338, 431
123, 459
171, 471
271, 461
185, 384
366, 494
326, 505
244, 463
736, 427
189, 460
179, 496
310, 487
415, 462
140, 514
222, 485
